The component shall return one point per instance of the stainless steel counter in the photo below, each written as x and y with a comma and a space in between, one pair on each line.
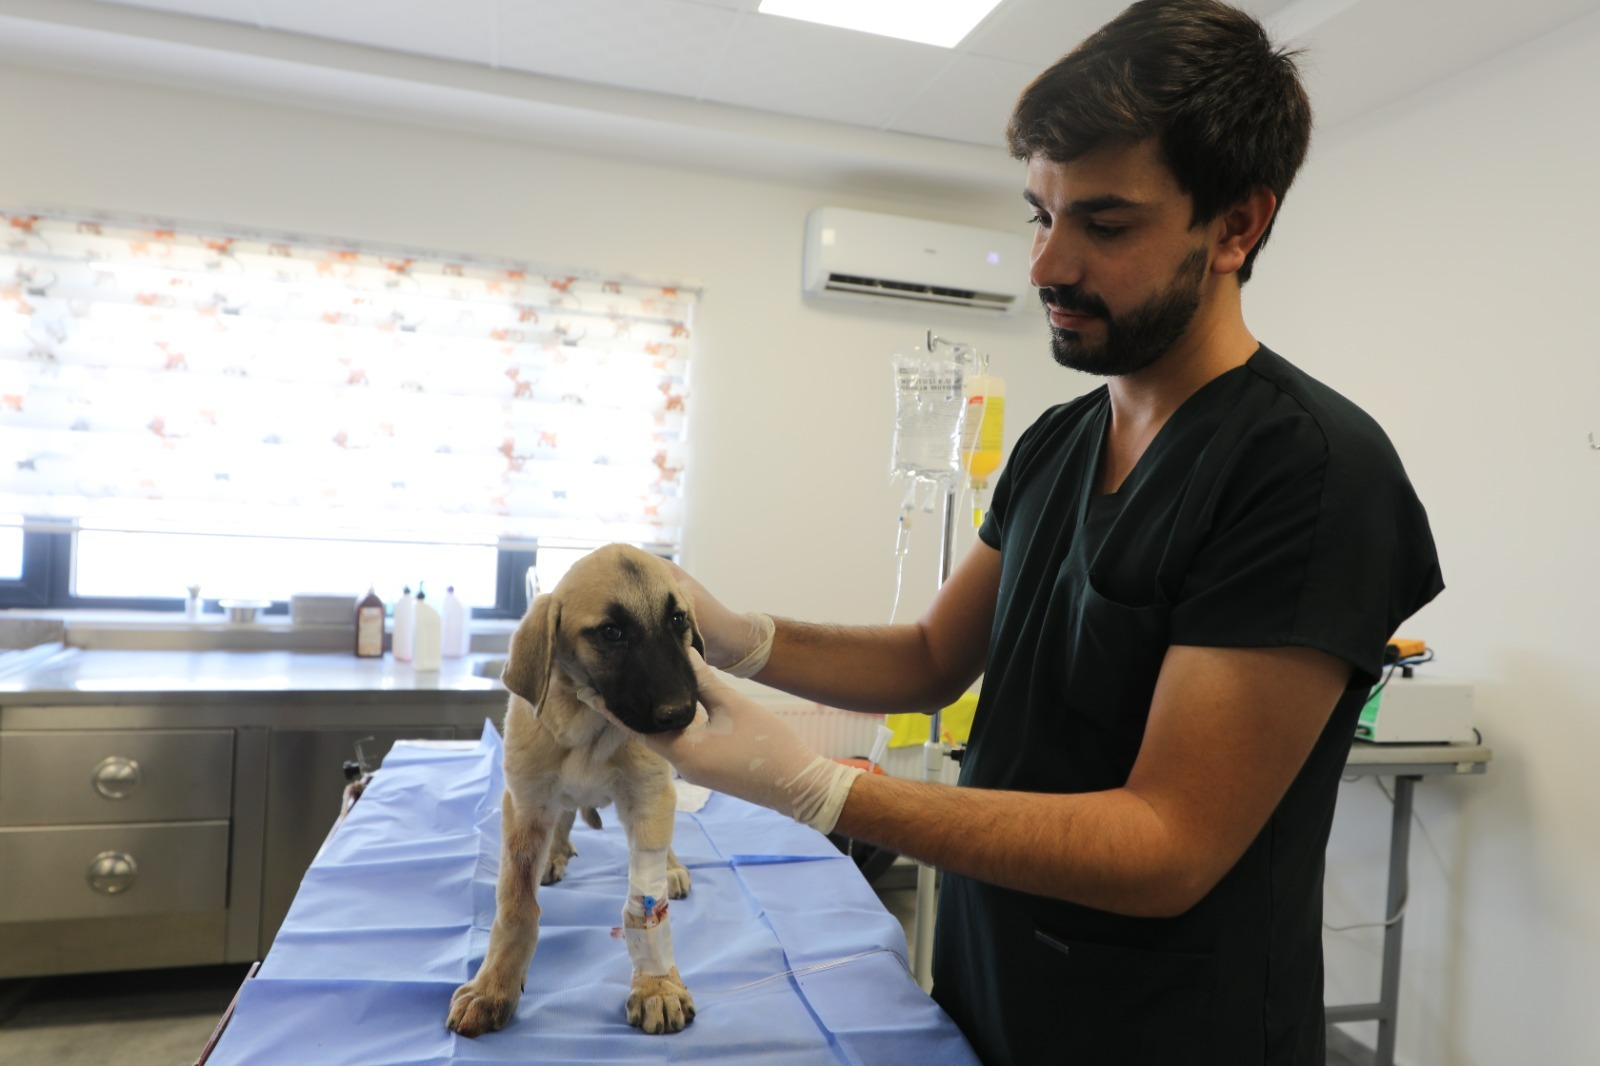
158, 808
60, 687
71, 675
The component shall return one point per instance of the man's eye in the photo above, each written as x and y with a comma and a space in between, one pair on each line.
1103, 231
1038, 219
611, 633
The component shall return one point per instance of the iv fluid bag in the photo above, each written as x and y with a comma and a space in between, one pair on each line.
981, 427
929, 401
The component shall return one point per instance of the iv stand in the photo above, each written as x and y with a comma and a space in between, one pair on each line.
933, 752
933, 756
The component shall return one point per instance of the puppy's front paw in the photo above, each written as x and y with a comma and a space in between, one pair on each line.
475, 1011
677, 882
660, 1004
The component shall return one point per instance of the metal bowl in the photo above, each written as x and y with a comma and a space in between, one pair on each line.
243, 610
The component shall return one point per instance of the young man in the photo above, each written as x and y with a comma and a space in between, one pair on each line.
1179, 600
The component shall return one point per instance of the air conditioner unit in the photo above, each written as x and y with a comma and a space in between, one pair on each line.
861, 255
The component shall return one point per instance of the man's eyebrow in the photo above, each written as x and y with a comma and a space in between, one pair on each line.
1094, 204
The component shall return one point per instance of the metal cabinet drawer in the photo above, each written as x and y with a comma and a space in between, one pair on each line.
71, 778
112, 871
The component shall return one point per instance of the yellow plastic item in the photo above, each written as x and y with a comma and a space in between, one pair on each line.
1405, 649
981, 434
955, 724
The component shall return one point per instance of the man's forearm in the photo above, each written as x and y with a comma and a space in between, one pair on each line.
879, 669
920, 666
1107, 850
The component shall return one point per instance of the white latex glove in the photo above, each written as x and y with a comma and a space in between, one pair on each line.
736, 746
737, 643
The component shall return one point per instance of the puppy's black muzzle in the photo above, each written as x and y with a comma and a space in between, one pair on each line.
655, 692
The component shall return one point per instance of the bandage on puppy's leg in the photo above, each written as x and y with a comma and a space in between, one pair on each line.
650, 947
646, 926
647, 873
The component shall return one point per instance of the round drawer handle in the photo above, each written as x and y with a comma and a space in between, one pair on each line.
115, 778
112, 872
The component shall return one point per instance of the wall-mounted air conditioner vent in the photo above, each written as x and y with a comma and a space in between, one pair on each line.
865, 256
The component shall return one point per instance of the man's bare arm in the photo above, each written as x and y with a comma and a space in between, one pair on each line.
918, 666
1229, 729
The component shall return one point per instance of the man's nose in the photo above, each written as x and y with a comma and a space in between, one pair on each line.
1055, 260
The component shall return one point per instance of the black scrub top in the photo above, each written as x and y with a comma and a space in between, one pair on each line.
1268, 511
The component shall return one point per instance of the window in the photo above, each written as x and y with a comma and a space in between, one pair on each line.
111, 564
10, 547
261, 415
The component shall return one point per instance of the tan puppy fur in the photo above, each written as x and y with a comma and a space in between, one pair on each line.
620, 624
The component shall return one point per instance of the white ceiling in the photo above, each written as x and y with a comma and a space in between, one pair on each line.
712, 82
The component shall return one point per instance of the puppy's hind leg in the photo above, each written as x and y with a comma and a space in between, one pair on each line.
561, 850
488, 1000
677, 876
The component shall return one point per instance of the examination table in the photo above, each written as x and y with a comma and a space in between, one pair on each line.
789, 954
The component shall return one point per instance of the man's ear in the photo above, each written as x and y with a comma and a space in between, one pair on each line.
527, 669
1241, 229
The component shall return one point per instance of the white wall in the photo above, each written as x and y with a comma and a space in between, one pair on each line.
792, 403
1438, 264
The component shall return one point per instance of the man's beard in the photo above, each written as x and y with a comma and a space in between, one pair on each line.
1134, 339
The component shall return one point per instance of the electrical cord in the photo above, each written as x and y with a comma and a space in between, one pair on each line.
1404, 665
1401, 912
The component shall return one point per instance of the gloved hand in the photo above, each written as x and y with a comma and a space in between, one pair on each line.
737, 643
738, 747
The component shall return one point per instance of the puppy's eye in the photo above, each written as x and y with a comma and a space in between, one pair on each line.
679, 620
611, 633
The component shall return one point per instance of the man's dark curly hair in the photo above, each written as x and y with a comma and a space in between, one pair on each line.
1226, 108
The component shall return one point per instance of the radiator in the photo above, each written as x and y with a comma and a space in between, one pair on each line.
847, 734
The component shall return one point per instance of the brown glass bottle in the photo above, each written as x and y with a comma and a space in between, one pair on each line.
369, 626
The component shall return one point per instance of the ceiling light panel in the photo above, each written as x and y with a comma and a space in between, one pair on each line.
800, 68
943, 23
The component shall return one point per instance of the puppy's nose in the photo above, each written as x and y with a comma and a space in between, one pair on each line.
674, 717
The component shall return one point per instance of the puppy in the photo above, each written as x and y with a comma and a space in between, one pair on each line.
619, 624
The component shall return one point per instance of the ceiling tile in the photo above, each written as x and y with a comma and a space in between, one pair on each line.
1038, 32
969, 101
227, 10
800, 68
461, 29
657, 45
1360, 54
1368, 55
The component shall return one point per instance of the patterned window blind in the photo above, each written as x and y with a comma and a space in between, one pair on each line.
162, 378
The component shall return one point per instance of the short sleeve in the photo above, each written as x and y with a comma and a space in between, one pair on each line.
991, 530
994, 518
1315, 539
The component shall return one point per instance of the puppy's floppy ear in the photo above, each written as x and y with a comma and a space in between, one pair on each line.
527, 669
696, 641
